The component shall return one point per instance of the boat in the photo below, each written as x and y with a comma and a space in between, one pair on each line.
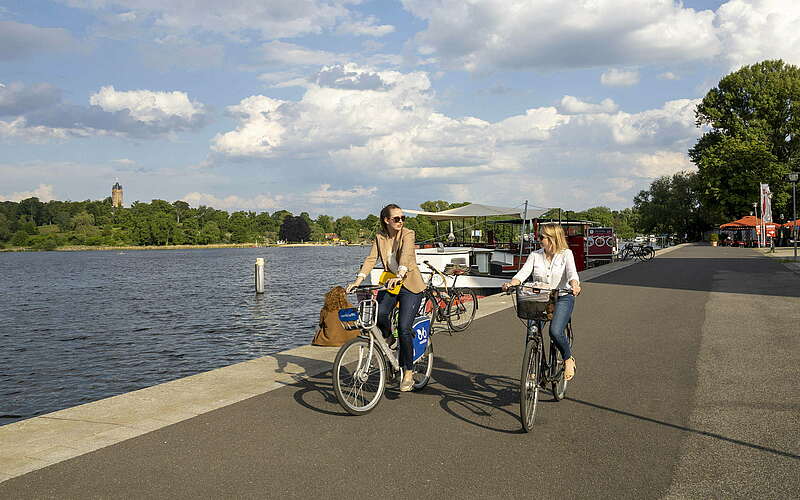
490, 263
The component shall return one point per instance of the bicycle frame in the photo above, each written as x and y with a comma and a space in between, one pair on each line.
534, 334
367, 323
375, 337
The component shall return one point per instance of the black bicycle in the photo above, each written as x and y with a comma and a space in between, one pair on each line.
455, 306
535, 306
640, 252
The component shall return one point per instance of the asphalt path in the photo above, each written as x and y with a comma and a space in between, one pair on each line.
675, 396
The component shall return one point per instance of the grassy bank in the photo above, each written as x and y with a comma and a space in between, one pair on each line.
78, 248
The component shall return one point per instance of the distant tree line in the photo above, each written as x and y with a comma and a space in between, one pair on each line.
41, 225
48, 225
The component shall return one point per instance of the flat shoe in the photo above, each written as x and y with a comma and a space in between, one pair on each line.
569, 374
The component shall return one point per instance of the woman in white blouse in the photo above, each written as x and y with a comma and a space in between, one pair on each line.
553, 266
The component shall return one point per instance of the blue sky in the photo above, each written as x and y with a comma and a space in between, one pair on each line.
342, 106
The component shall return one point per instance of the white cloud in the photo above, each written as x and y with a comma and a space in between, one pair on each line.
233, 202
619, 77
38, 114
44, 192
519, 34
293, 54
268, 19
573, 105
330, 115
651, 166
366, 27
19, 129
326, 196
755, 30
671, 125
146, 105
381, 126
668, 75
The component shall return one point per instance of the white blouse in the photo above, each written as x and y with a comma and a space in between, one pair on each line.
556, 273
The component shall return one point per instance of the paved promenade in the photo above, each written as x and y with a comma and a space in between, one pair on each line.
686, 388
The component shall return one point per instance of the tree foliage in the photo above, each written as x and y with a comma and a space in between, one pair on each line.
672, 205
295, 229
753, 136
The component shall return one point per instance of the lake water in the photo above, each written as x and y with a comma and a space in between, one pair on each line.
76, 327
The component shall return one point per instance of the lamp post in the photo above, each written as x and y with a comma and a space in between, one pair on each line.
793, 177
755, 213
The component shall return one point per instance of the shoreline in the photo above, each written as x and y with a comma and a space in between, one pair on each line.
83, 248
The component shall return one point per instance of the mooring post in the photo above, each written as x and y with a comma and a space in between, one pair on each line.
259, 275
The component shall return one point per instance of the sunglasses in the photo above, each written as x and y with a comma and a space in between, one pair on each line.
541, 238
399, 218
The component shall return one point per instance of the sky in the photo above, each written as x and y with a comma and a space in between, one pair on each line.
339, 107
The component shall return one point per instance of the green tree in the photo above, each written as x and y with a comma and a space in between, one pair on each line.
601, 215
325, 223
82, 222
753, 122
672, 205
295, 229
20, 238
209, 234
5, 228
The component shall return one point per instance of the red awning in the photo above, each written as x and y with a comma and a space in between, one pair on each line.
746, 222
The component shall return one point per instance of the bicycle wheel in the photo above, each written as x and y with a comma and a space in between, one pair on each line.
461, 309
557, 367
359, 378
648, 253
529, 384
423, 367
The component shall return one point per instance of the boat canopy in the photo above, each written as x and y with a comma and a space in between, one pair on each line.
476, 210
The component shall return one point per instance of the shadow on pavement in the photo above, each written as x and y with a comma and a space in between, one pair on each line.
757, 275
490, 402
686, 429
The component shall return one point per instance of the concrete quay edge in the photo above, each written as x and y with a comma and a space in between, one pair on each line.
45, 440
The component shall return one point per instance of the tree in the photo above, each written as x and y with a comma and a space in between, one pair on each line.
325, 223
181, 209
5, 228
753, 120
295, 229
672, 206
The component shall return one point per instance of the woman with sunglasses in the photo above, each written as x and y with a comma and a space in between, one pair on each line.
394, 244
553, 266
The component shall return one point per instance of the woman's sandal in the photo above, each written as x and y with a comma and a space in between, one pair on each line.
569, 374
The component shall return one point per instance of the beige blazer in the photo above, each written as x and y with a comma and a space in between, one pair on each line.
406, 256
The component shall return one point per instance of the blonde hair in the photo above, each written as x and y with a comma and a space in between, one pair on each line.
556, 234
336, 299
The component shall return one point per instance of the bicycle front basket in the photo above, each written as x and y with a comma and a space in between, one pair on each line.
534, 305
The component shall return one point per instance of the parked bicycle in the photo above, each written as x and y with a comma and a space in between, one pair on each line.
640, 252
534, 306
451, 305
364, 364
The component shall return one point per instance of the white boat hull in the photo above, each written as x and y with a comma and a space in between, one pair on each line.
439, 258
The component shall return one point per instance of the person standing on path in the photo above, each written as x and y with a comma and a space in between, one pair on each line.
394, 244
553, 266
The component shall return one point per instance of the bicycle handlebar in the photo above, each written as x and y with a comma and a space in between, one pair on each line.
536, 289
370, 288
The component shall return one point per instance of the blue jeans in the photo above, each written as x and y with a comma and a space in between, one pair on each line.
558, 324
409, 305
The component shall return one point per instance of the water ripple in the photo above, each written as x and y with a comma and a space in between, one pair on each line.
108, 323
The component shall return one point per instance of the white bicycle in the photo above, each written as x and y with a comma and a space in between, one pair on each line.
365, 364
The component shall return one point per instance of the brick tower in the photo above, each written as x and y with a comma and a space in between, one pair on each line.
116, 195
